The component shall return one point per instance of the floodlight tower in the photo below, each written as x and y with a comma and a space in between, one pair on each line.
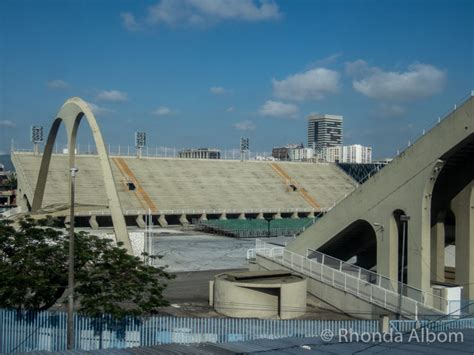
36, 138
244, 147
140, 142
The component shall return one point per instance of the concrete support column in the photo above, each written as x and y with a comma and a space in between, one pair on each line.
463, 208
140, 221
419, 249
387, 251
242, 216
183, 220
93, 222
260, 216
162, 221
311, 214
277, 215
294, 215
203, 217
437, 251
223, 216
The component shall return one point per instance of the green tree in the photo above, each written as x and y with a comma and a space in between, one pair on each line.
33, 271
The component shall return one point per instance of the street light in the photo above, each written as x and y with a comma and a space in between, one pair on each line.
404, 219
70, 309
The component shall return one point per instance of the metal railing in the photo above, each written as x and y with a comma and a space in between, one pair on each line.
362, 283
43, 330
426, 298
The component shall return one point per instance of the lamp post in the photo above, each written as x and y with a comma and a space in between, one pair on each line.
404, 219
70, 308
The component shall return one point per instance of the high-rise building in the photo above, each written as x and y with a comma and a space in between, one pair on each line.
324, 131
356, 153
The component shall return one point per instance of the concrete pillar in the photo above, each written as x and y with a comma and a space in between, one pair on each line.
311, 214
203, 217
294, 215
419, 249
140, 221
463, 208
183, 220
277, 215
242, 216
437, 251
93, 222
387, 250
260, 216
223, 216
384, 324
162, 221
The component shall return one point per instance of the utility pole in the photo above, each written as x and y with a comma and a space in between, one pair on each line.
404, 219
70, 308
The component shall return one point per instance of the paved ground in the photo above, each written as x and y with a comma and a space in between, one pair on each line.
192, 251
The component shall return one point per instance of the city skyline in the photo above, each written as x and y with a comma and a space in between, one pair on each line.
205, 75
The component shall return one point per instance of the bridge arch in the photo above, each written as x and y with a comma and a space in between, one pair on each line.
71, 114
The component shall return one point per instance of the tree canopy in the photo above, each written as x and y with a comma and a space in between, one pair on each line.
33, 271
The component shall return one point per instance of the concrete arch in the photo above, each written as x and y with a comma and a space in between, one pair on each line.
358, 239
71, 114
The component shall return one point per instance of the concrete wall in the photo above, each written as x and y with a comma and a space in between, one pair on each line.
259, 299
405, 184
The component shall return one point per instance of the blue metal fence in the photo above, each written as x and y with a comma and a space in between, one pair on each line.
438, 325
28, 331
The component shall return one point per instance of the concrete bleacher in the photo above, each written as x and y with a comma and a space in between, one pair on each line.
172, 184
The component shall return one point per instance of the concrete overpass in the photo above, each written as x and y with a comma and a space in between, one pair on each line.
432, 183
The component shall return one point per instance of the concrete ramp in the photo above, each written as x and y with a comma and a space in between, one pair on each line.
432, 183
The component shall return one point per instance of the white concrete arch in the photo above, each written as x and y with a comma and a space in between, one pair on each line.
71, 113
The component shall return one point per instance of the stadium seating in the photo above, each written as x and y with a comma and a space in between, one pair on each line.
174, 184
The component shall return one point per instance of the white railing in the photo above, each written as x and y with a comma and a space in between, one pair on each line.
426, 298
371, 287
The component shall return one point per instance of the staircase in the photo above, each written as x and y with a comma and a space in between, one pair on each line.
365, 284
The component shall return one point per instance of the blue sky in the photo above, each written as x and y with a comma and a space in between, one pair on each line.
203, 73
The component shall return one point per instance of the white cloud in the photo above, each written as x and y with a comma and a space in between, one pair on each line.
57, 84
129, 21
161, 111
7, 124
230, 109
112, 95
245, 126
201, 12
418, 81
99, 110
313, 84
278, 109
218, 90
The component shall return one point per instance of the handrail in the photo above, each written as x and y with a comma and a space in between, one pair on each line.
372, 290
383, 281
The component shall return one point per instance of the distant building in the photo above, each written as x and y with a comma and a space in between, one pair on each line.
330, 154
356, 153
283, 153
200, 153
301, 154
324, 131
7, 192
